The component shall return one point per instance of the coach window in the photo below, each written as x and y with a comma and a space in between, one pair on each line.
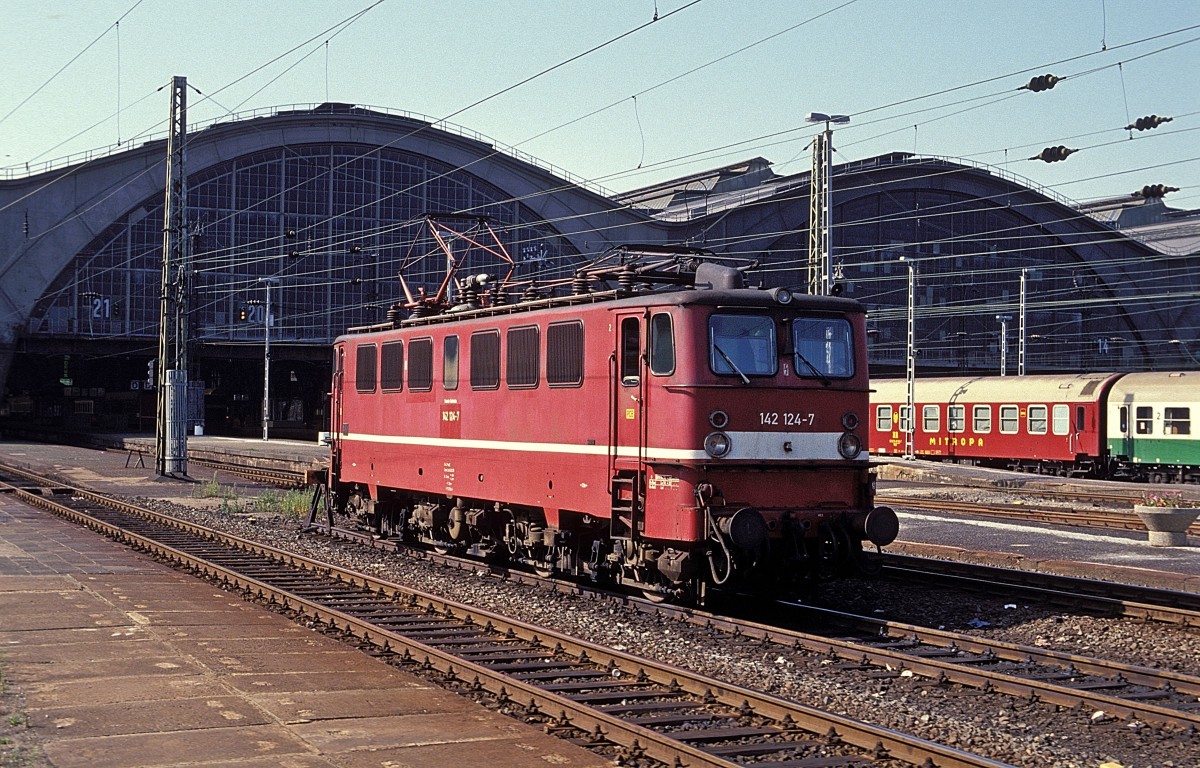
982, 419
420, 364
485, 360
905, 419
391, 366
956, 418
1177, 421
364, 374
931, 418
1036, 420
1061, 424
1010, 419
1144, 420
631, 351
450, 363
662, 345
1081, 418
522, 363
883, 418
564, 354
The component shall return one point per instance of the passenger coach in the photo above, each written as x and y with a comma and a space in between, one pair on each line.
1048, 423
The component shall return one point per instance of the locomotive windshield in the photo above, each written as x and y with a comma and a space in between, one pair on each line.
742, 345
824, 347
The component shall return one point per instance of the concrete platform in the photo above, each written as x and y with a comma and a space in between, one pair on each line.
124, 663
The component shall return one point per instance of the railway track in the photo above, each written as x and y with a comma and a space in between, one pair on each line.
596, 695
1110, 519
701, 714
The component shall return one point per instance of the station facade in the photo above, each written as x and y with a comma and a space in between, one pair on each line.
329, 205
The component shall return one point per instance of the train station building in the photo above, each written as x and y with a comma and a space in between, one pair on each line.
311, 215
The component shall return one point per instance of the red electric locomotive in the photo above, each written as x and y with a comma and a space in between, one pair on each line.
676, 440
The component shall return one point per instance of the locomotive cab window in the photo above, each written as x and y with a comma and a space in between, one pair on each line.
391, 366
1036, 420
450, 363
883, 418
364, 369
956, 418
742, 345
662, 345
824, 347
1177, 421
420, 365
631, 351
1144, 420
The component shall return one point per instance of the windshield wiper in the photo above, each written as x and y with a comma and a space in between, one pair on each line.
824, 381
725, 357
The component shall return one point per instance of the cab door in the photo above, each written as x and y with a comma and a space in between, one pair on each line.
627, 424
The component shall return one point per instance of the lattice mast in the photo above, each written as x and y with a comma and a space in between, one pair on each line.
172, 364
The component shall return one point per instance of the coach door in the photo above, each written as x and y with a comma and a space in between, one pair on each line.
627, 443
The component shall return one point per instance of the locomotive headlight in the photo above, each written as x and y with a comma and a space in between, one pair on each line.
783, 295
849, 446
717, 444
850, 421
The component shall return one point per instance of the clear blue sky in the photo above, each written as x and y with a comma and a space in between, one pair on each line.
436, 58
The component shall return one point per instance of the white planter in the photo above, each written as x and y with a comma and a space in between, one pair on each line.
1167, 525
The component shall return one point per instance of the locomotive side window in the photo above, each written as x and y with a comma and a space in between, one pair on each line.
564, 354
956, 418
522, 363
1177, 421
662, 345
931, 418
364, 374
1144, 419
485, 360
391, 366
742, 345
1036, 420
982, 419
824, 347
1062, 419
450, 363
631, 350
1010, 419
883, 418
420, 364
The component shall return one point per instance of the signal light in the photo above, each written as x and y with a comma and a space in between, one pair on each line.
1041, 83
243, 314
1148, 122
1054, 154
1154, 190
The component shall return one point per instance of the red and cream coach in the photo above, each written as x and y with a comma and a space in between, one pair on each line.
676, 433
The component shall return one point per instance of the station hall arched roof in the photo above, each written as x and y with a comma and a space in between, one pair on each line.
954, 216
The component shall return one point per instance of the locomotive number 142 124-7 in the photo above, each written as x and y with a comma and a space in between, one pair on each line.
785, 418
